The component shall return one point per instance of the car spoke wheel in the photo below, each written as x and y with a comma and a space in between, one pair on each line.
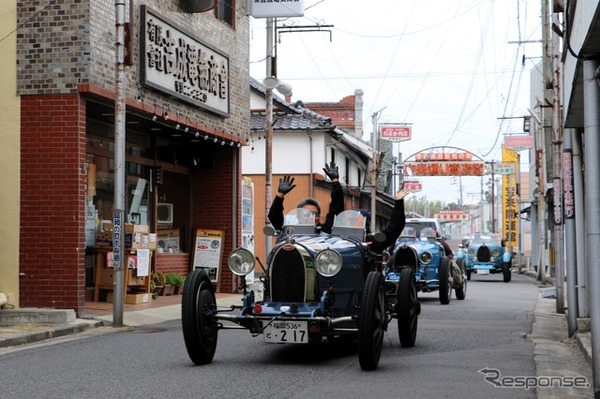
461, 292
506, 272
371, 322
200, 330
445, 290
408, 308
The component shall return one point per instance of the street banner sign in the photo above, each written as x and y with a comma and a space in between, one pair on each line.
396, 132
519, 143
275, 9
413, 186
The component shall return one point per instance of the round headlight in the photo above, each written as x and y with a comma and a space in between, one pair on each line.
426, 257
328, 263
241, 261
495, 252
471, 251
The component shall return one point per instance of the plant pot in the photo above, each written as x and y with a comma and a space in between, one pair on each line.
168, 290
160, 290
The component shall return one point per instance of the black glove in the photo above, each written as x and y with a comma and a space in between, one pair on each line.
332, 171
286, 184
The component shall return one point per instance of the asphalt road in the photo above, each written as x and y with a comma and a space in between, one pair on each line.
487, 330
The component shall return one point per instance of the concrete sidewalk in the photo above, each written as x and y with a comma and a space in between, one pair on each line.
555, 354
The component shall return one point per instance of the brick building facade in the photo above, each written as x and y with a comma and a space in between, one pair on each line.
66, 80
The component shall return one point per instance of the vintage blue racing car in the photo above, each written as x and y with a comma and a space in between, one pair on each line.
434, 268
315, 286
485, 254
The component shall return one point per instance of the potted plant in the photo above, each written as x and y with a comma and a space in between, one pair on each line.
157, 284
169, 284
178, 281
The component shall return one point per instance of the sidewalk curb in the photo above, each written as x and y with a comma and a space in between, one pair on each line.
20, 338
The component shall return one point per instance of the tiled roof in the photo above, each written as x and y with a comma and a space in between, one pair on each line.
295, 117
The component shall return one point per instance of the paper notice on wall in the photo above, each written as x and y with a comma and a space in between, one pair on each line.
143, 262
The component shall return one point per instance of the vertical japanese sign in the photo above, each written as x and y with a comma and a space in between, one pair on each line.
568, 185
558, 209
248, 220
117, 237
510, 201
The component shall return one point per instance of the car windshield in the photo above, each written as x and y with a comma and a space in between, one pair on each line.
299, 217
487, 239
353, 219
408, 232
428, 232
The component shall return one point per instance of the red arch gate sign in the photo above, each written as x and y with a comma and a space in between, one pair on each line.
444, 161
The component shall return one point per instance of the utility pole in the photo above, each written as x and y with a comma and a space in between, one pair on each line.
269, 133
374, 167
120, 142
557, 137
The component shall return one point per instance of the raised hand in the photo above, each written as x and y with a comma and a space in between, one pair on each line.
286, 184
402, 193
332, 171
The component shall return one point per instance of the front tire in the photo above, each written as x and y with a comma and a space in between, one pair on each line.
461, 292
445, 289
371, 321
200, 330
408, 308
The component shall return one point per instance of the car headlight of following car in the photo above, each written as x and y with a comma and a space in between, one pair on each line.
471, 251
495, 252
328, 263
241, 261
426, 257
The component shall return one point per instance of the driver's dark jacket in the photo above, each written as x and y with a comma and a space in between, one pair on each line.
335, 207
393, 229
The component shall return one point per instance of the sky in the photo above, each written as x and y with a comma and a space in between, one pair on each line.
456, 70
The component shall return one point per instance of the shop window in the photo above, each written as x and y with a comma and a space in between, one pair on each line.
225, 11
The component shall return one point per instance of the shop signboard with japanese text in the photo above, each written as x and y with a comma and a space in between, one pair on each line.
175, 62
208, 252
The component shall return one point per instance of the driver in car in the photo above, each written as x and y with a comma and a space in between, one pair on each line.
286, 184
456, 272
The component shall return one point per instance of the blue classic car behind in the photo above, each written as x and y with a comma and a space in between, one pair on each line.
434, 270
485, 254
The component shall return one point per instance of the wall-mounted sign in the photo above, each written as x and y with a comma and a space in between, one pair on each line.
519, 143
176, 63
445, 168
275, 8
504, 168
568, 185
395, 132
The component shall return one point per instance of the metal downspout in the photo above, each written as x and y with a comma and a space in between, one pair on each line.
582, 294
570, 244
591, 105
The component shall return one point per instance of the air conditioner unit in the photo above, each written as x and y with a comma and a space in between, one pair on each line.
164, 215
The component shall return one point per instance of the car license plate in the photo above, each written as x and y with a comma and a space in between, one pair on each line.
483, 271
287, 332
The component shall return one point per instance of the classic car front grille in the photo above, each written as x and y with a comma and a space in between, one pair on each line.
287, 276
483, 254
405, 256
